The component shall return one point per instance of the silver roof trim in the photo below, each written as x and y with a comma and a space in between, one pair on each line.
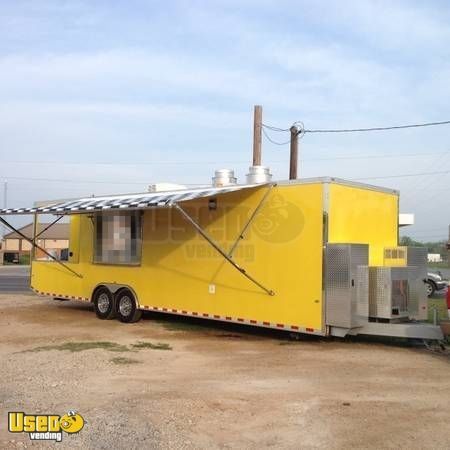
350, 183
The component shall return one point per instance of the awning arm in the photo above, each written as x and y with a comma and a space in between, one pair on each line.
33, 243
49, 226
250, 220
219, 250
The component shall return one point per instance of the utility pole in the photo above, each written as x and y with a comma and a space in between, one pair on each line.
294, 153
257, 131
5, 204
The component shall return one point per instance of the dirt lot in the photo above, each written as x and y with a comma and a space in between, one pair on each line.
213, 386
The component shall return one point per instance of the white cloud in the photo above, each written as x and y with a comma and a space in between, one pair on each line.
403, 28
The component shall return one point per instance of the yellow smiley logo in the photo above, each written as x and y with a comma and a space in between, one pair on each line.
71, 422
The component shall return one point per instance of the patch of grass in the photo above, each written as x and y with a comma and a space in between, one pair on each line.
105, 345
120, 360
441, 306
81, 346
157, 346
24, 260
183, 326
440, 265
229, 335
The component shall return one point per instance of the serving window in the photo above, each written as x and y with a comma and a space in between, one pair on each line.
118, 238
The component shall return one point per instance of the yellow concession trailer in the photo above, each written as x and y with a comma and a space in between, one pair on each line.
316, 256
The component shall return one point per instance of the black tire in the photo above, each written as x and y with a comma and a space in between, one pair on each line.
104, 304
126, 307
431, 288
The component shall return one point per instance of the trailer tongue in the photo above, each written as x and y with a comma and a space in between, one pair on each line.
409, 330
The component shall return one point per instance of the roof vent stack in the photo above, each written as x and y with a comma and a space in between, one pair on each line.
161, 187
258, 175
224, 177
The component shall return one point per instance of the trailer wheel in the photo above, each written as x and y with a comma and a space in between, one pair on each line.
126, 307
104, 304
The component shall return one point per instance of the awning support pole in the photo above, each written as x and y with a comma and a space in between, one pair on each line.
2, 220
33, 248
250, 220
219, 250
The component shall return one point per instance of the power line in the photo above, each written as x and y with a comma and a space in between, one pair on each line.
351, 130
67, 180
423, 183
271, 140
302, 131
444, 233
398, 127
421, 238
175, 163
373, 156
430, 229
402, 176
270, 127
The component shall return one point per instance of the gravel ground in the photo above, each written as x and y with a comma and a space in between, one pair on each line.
217, 387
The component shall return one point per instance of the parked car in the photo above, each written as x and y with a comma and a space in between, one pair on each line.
434, 282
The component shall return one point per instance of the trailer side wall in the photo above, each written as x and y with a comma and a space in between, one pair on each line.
361, 215
180, 271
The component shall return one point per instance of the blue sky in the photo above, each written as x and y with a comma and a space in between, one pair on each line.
106, 97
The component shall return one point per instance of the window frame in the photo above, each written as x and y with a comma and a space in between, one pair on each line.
139, 247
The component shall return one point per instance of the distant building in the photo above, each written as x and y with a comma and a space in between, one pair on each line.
55, 240
434, 257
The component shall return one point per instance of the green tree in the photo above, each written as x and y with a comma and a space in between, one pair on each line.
432, 247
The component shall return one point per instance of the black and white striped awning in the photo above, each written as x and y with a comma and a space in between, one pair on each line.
130, 201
